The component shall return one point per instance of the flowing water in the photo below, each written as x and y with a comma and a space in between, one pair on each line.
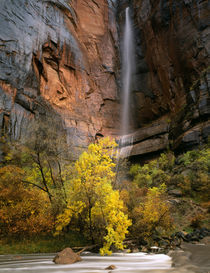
127, 70
125, 263
125, 146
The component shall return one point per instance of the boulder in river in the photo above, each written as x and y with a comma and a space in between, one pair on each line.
67, 256
111, 267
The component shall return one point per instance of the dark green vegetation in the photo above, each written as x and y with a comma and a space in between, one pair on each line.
43, 193
41, 243
187, 188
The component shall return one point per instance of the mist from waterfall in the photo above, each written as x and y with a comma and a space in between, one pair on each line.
127, 71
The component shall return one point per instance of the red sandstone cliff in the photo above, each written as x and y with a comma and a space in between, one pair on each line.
61, 59
63, 54
171, 94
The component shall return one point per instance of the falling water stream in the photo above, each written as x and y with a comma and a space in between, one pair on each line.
125, 263
127, 70
128, 64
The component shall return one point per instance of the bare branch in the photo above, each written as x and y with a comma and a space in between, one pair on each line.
27, 182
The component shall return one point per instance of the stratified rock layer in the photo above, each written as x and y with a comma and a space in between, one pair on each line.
172, 74
58, 58
61, 59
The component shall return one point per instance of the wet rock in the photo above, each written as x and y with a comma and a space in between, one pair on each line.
192, 137
144, 249
169, 91
206, 132
155, 129
150, 145
17, 257
135, 250
175, 202
179, 234
155, 249
194, 236
111, 267
204, 106
66, 256
175, 193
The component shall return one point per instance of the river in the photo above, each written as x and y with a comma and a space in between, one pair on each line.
125, 263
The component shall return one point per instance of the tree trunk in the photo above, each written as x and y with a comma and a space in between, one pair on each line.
90, 224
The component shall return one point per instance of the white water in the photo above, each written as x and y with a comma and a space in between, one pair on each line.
125, 263
125, 145
127, 71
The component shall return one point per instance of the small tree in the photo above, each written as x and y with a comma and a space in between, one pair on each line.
92, 199
153, 215
44, 158
49, 154
23, 208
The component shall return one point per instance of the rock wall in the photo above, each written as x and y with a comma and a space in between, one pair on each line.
58, 58
61, 59
171, 92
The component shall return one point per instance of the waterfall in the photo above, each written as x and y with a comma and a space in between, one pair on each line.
126, 140
127, 71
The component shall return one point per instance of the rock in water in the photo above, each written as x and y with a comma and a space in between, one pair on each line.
111, 267
66, 256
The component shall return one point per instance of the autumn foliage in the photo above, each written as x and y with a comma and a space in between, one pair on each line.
92, 200
43, 192
23, 210
152, 216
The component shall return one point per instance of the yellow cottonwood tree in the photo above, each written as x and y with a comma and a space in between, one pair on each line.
153, 216
92, 198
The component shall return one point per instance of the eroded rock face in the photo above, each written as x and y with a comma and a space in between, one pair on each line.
172, 77
61, 58
62, 54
